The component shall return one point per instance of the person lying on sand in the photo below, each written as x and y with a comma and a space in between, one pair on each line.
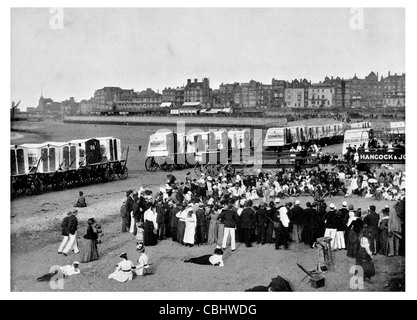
67, 271
215, 259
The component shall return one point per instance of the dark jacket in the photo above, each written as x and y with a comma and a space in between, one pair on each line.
331, 220
247, 218
261, 217
64, 226
129, 204
371, 220
91, 235
201, 216
72, 224
297, 215
160, 214
229, 217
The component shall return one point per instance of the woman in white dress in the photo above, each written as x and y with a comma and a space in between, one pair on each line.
142, 268
190, 224
123, 270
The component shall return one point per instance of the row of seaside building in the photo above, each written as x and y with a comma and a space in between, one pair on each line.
372, 91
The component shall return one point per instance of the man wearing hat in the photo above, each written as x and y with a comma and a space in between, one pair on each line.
230, 219
330, 221
199, 230
65, 233
344, 213
129, 207
72, 230
371, 222
174, 220
247, 223
298, 222
261, 223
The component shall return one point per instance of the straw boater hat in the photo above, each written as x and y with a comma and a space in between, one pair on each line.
277, 200
344, 204
140, 247
332, 206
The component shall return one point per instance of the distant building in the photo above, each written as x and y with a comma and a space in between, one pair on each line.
179, 96
339, 91
393, 90
105, 99
278, 91
87, 106
70, 107
321, 95
168, 95
144, 100
198, 92
296, 93
227, 94
48, 106
295, 97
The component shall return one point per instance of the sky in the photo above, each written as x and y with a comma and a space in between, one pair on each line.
139, 48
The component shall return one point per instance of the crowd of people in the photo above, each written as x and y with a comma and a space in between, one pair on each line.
245, 209
252, 208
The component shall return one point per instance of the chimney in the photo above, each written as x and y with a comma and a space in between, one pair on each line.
389, 73
188, 81
195, 80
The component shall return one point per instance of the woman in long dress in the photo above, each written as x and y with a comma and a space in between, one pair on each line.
88, 244
149, 235
190, 224
123, 270
383, 232
354, 229
364, 258
220, 230
213, 226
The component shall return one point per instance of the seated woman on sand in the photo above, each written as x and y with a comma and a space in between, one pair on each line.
123, 270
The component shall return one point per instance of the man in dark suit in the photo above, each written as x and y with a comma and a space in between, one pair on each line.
230, 219
371, 224
72, 231
199, 230
247, 222
261, 223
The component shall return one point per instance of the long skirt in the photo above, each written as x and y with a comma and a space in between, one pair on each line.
149, 237
352, 246
365, 261
181, 232
213, 231
220, 234
204, 260
121, 276
88, 250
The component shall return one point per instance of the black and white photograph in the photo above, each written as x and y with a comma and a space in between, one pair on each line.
207, 149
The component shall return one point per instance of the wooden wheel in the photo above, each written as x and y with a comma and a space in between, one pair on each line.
198, 169
124, 173
229, 169
150, 164
109, 174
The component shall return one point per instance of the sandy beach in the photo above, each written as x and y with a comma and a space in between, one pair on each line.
35, 229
